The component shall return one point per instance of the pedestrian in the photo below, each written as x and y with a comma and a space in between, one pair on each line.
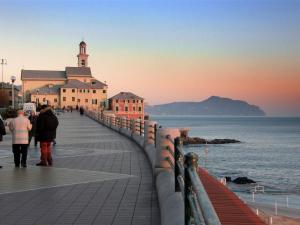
32, 118
2, 131
81, 110
46, 126
20, 127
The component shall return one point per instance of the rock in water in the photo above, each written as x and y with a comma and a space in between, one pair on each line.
197, 140
228, 179
243, 180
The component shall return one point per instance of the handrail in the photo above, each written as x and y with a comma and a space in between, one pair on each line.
209, 214
194, 191
198, 207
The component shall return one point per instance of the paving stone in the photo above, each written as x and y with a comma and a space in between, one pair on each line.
99, 177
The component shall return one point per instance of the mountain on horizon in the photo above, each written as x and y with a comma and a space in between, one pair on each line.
213, 106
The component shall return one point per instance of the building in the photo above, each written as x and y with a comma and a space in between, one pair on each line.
127, 104
6, 95
72, 87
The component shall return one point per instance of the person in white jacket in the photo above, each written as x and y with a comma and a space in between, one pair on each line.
20, 127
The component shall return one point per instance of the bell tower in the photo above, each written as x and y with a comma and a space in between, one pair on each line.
82, 56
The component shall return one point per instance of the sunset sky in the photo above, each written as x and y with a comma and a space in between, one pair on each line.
165, 50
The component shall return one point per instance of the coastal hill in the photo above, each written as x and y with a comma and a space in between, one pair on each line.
213, 106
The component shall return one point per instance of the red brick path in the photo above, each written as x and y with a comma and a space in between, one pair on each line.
230, 209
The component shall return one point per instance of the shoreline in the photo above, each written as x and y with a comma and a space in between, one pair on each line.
286, 216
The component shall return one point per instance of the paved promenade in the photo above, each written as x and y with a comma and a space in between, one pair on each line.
98, 177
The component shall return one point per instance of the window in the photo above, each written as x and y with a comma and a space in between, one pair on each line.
140, 109
73, 99
83, 90
95, 101
86, 100
73, 90
126, 109
44, 99
133, 101
64, 99
117, 100
94, 91
88, 91
10, 93
117, 108
133, 108
64, 90
137, 101
83, 62
104, 91
78, 100
55, 100
142, 101
128, 101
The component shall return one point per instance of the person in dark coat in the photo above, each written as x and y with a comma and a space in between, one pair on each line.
81, 111
32, 118
2, 131
46, 126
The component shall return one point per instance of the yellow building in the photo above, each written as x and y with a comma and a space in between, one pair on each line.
75, 86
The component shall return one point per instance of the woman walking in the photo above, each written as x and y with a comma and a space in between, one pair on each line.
20, 127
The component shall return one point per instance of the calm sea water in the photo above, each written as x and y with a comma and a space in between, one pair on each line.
269, 152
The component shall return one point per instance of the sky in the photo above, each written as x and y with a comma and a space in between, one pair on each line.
165, 50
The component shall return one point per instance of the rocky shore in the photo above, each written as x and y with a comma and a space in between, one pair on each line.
197, 140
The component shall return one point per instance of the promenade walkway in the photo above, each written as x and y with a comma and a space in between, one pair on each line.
98, 177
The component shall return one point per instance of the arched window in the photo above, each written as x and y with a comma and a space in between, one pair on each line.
83, 62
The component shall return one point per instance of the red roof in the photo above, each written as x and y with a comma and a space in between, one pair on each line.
229, 208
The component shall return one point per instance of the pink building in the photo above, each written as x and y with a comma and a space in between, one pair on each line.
127, 104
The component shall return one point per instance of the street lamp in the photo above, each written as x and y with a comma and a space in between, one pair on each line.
3, 62
13, 79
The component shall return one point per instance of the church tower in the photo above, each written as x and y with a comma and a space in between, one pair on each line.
82, 56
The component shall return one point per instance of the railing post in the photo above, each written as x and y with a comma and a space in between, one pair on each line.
141, 127
149, 134
177, 158
155, 135
190, 161
165, 147
123, 122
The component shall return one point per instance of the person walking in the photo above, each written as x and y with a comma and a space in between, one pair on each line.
81, 110
46, 125
2, 131
32, 118
20, 127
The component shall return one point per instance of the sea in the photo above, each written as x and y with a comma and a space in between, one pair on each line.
269, 153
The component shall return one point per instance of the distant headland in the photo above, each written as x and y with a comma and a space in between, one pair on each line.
213, 106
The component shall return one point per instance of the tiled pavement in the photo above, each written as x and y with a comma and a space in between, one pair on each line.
98, 177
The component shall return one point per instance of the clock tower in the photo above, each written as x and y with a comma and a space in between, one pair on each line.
82, 56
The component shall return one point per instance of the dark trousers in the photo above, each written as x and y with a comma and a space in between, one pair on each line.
18, 150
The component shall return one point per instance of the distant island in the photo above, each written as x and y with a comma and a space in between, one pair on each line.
213, 106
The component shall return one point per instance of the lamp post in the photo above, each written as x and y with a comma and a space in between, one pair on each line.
13, 79
3, 62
